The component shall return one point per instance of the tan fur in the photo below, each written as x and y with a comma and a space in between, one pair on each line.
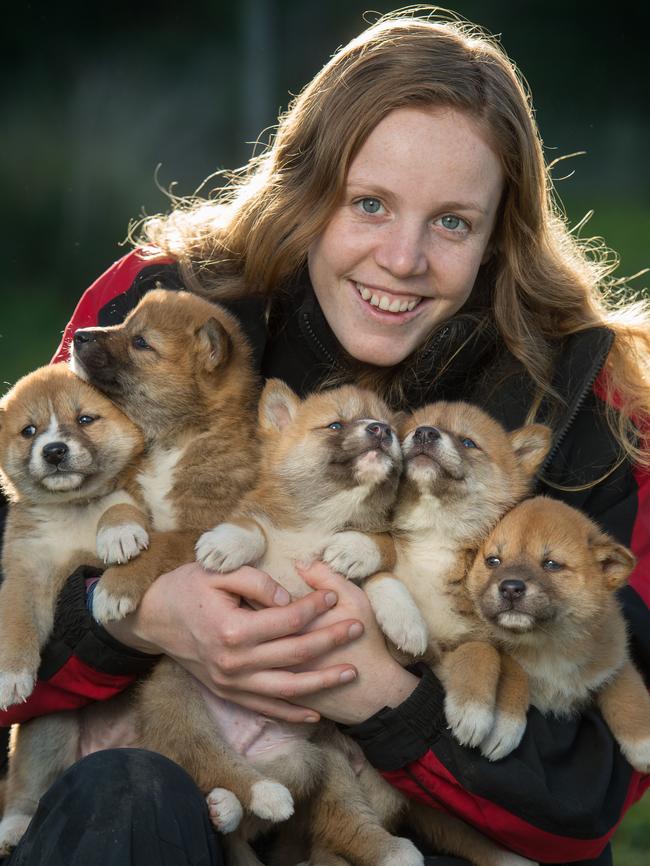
58, 511
314, 481
449, 499
193, 392
564, 628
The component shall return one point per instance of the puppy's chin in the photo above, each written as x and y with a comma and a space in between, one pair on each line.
63, 482
77, 367
515, 621
373, 467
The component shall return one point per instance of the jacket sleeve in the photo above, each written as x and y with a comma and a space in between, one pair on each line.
560, 795
81, 661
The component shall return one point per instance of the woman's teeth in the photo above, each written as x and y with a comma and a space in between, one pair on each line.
384, 303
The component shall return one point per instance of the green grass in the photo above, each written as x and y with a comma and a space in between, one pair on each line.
632, 839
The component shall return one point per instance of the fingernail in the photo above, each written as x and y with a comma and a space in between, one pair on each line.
281, 596
348, 676
355, 630
331, 598
310, 719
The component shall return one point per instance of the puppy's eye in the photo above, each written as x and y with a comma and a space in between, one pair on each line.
85, 420
28, 432
468, 443
335, 425
492, 561
139, 342
552, 565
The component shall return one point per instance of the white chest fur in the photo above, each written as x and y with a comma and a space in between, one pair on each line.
285, 547
424, 566
156, 480
61, 531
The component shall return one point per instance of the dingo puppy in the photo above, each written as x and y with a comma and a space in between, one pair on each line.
330, 464
68, 461
542, 586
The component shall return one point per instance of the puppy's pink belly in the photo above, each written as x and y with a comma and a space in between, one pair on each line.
250, 734
104, 726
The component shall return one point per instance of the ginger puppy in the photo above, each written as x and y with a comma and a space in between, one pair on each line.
181, 368
68, 461
543, 587
330, 464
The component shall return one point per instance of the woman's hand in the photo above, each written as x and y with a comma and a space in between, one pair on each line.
242, 654
381, 681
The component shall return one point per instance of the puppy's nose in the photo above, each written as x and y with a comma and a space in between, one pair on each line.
54, 452
512, 589
426, 435
380, 431
83, 336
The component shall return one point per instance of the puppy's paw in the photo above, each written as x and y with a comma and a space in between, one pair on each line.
108, 607
271, 800
225, 810
353, 555
398, 615
12, 830
16, 687
504, 737
117, 544
469, 722
229, 546
401, 851
637, 753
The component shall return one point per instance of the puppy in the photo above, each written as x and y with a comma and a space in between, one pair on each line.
542, 587
462, 472
330, 464
68, 461
181, 368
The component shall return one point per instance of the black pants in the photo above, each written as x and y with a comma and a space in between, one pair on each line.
126, 807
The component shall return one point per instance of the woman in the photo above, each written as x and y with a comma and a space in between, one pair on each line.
399, 231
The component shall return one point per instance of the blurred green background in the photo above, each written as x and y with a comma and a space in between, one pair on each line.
96, 96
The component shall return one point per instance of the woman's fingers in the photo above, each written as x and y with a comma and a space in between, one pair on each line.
256, 586
294, 651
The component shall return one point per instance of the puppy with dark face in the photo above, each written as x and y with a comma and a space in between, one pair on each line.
543, 588
181, 368
329, 472
68, 461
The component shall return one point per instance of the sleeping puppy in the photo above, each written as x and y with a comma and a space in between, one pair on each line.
68, 461
181, 368
543, 589
329, 464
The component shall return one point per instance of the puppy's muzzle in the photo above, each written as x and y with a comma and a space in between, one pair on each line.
55, 453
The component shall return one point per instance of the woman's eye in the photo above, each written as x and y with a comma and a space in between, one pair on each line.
84, 420
551, 565
492, 561
335, 425
28, 432
468, 443
139, 342
370, 205
453, 223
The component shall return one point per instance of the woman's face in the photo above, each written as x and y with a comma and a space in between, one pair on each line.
401, 253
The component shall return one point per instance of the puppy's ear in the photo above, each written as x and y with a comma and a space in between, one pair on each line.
615, 560
531, 444
213, 344
278, 405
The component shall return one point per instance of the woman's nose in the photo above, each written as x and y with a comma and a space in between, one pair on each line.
401, 250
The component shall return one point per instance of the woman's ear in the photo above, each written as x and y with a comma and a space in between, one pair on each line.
278, 406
